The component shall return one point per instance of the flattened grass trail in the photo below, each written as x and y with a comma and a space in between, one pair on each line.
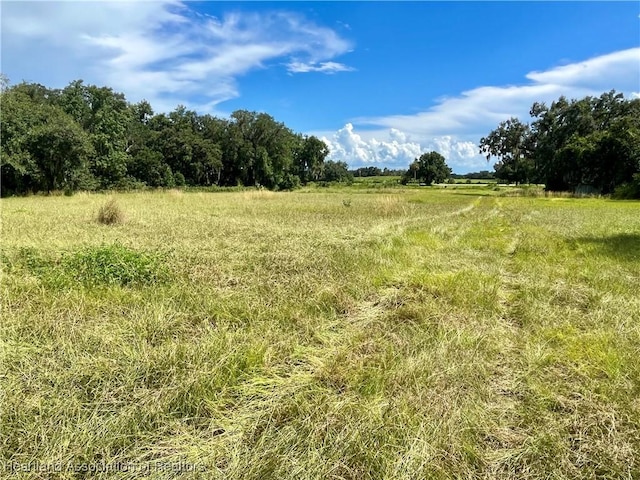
338, 334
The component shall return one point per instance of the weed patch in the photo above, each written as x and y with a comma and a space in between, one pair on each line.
110, 265
115, 265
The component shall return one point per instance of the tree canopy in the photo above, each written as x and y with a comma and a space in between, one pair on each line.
90, 137
429, 168
592, 143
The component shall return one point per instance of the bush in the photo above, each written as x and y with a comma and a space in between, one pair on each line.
630, 190
179, 180
290, 182
110, 213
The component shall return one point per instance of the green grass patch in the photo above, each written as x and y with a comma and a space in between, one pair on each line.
93, 266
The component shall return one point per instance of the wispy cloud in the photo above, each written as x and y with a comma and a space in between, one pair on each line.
163, 51
454, 125
323, 67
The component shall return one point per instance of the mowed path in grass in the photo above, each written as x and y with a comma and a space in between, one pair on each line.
343, 333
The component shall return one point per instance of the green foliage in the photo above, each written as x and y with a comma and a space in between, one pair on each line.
105, 265
373, 171
336, 172
429, 168
629, 190
508, 143
41, 147
290, 182
58, 148
115, 265
90, 137
311, 159
571, 145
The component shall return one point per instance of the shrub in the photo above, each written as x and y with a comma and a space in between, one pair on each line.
179, 179
629, 190
110, 213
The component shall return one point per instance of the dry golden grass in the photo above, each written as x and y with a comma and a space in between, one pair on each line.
110, 213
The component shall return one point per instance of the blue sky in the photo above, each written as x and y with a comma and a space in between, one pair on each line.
380, 82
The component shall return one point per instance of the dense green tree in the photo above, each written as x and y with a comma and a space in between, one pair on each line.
149, 167
429, 168
18, 117
591, 144
257, 150
591, 141
368, 172
336, 172
59, 149
310, 159
42, 148
411, 174
91, 137
388, 172
106, 116
509, 144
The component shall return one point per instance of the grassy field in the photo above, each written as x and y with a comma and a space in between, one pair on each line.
383, 181
322, 334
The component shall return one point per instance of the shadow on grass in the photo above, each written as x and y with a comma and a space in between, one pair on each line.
624, 246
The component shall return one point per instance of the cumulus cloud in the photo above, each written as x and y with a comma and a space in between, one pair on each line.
163, 51
395, 149
347, 145
454, 125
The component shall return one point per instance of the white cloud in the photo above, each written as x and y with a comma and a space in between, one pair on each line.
162, 51
347, 145
478, 110
396, 149
595, 73
454, 125
324, 67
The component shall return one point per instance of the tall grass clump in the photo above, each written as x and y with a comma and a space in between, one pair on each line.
110, 213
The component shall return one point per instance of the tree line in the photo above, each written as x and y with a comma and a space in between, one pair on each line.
89, 137
590, 145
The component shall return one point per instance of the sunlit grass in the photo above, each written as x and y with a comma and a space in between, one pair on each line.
325, 333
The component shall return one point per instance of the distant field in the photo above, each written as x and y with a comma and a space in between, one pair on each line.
381, 181
321, 334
